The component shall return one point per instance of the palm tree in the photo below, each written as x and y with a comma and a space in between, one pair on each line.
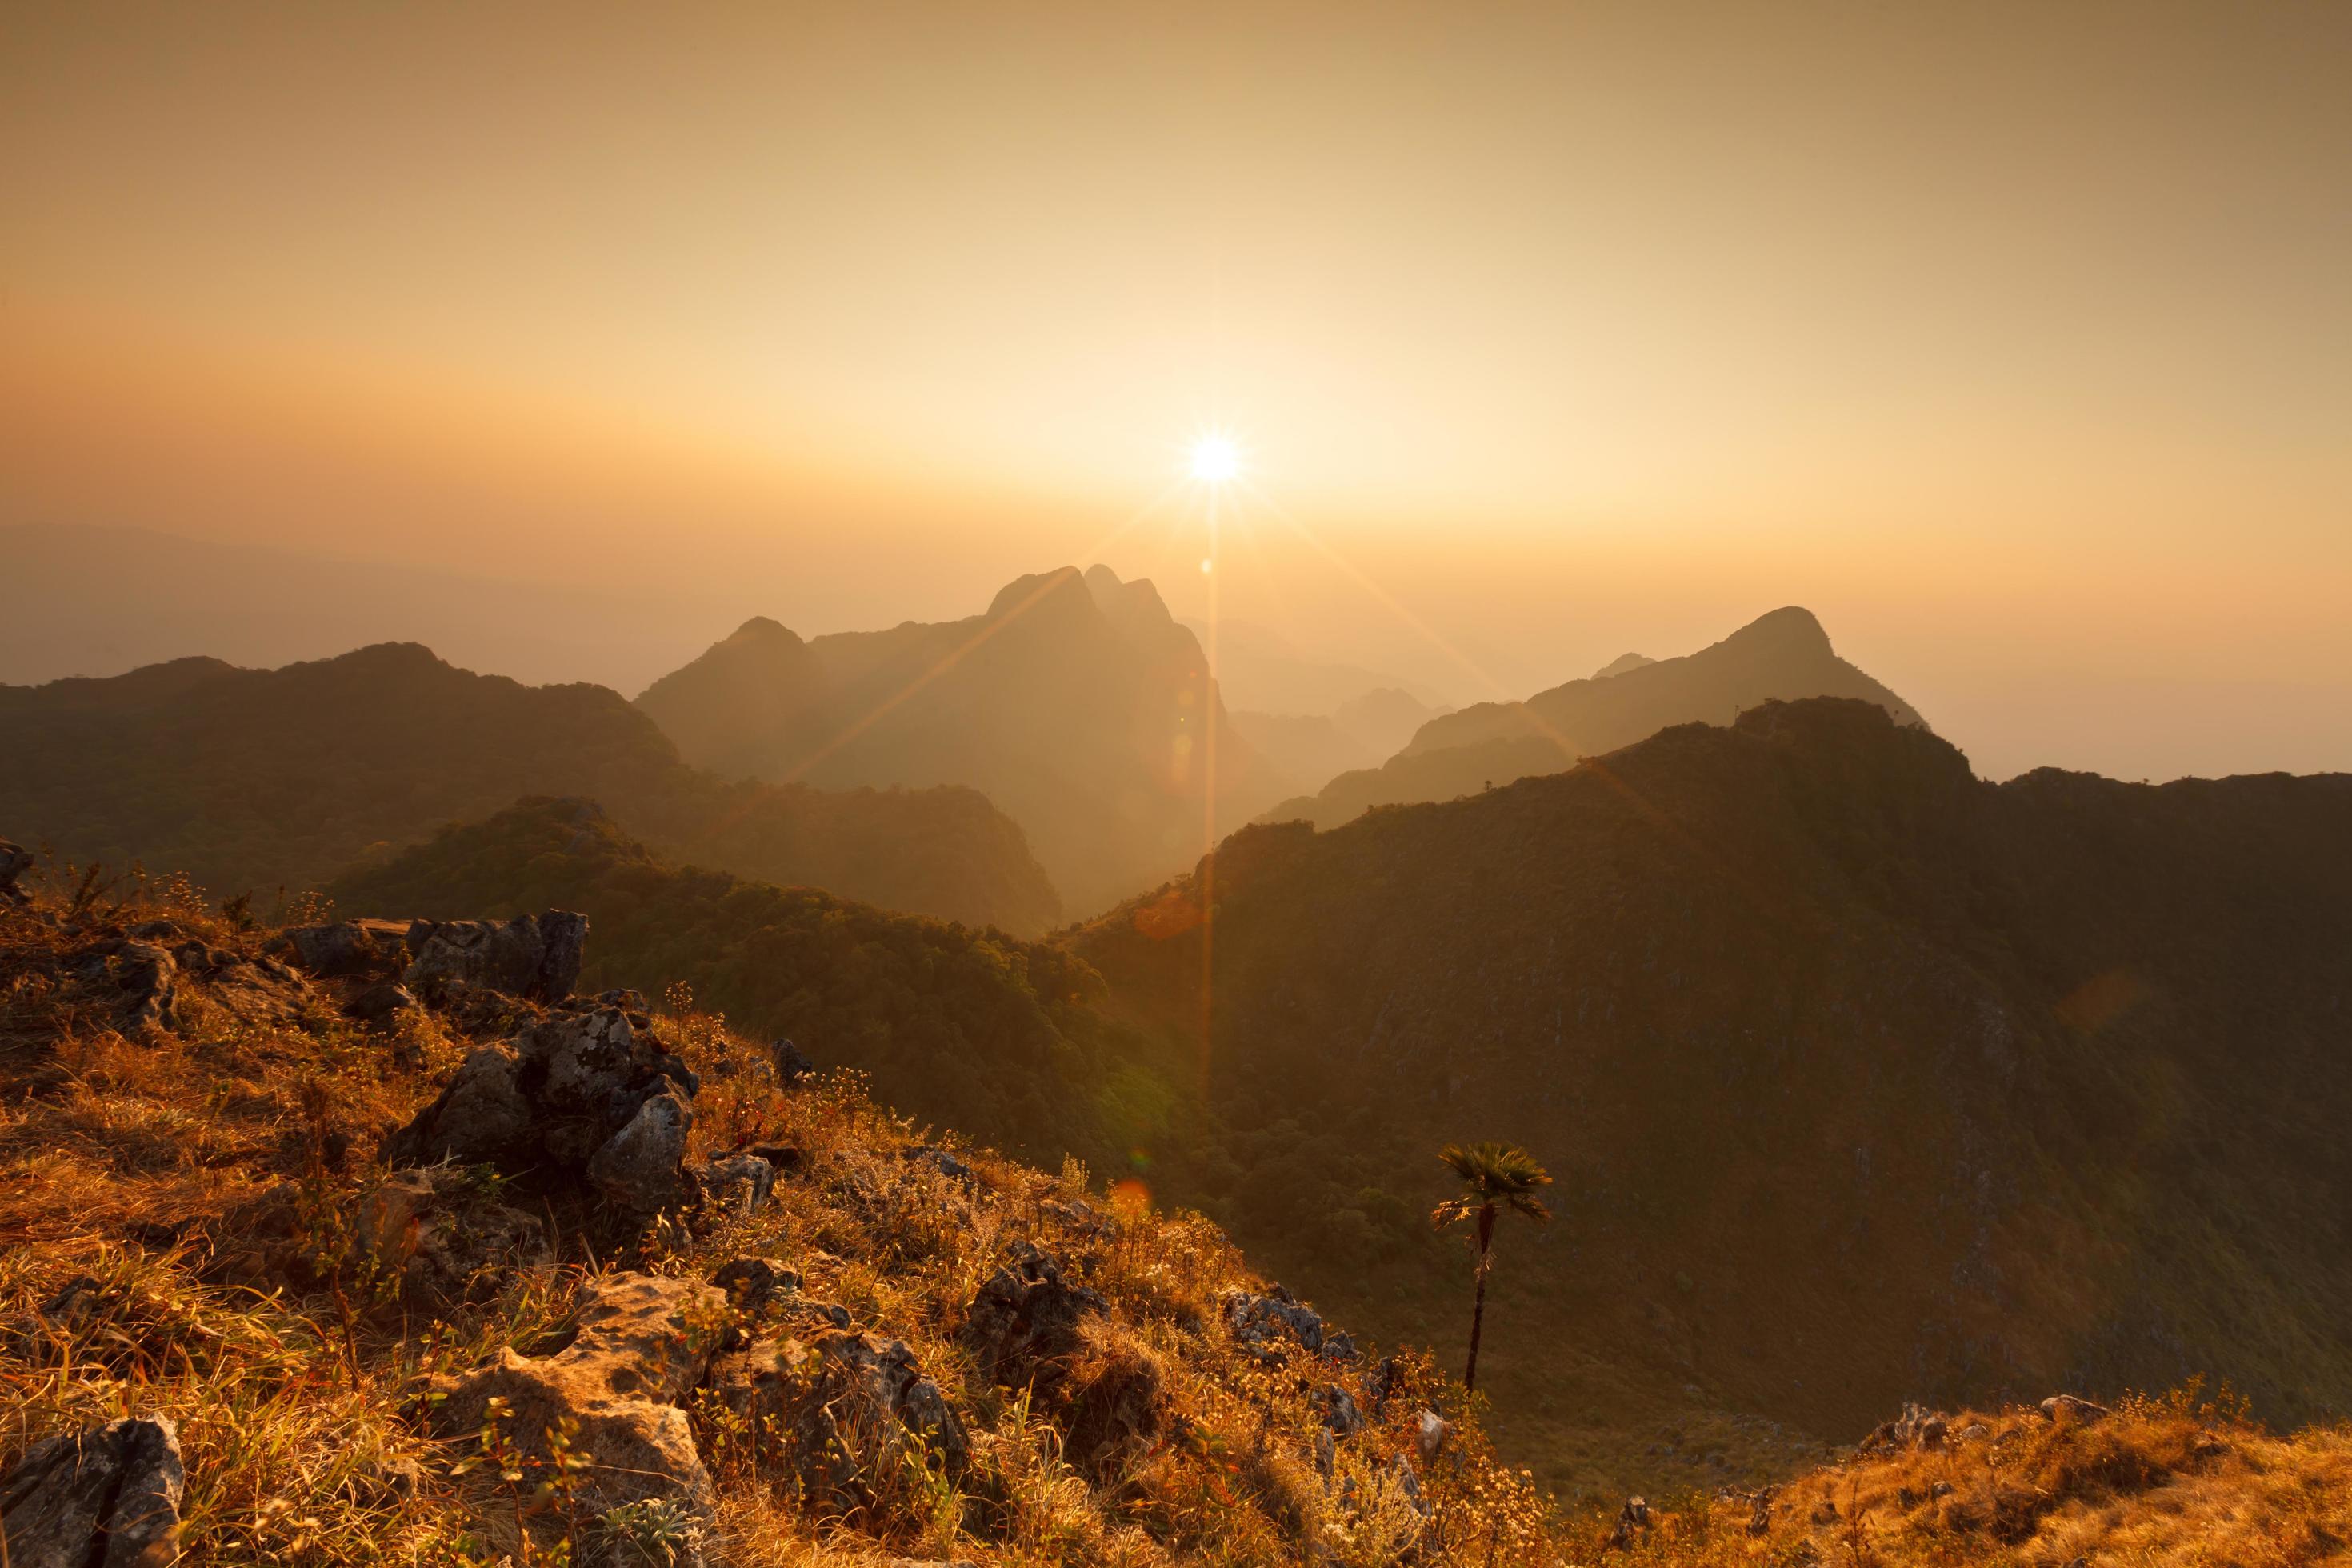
1495, 1177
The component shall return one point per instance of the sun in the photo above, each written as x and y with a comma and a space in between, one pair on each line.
1217, 458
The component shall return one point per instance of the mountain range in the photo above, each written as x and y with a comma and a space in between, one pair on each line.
252, 780
1784, 655
1075, 703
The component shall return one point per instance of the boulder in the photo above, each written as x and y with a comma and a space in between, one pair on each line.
642, 1342
740, 1182
382, 1002
1023, 1324
1338, 1410
583, 1094
439, 1230
149, 978
867, 1401
1632, 1522
532, 956
937, 1159
1430, 1432
345, 949
107, 1497
791, 1063
2066, 1406
751, 1283
15, 862
1266, 1322
641, 1167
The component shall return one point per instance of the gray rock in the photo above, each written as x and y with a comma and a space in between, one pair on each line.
15, 862
439, 1233
639, 1167
532, 956
642, 1344
1338, 1409
1265, 1321
752, 1283
2067, 1407
381, 1002
108, 1497
347, 948
150, 975
792, 1063
1024, 1323
1430, 1432
944, 1163
869, 1401
480, 1115
738, 1182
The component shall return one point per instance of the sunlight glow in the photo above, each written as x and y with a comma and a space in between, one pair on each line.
1217, 458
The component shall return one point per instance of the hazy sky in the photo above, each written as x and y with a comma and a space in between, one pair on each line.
2015, 340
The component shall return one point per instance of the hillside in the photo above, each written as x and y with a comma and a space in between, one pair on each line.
1783, 655
1317, 747
351, 1262
1075, 703
259, 780
1864, 1081
1001, 1039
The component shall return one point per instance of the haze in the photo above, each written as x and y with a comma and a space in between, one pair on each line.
2015, 342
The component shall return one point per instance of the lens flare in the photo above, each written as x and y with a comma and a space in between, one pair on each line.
1217, 458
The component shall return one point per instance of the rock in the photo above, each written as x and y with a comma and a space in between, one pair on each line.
440, 1229
638, 1168
781, 1157
1384, 1381
1760, 1517
1938, 1490
150, 977
1265, 1321
576, 1094
381, 1002
752, 1283
1974, 1432
644, 1341
792, 1063
15, 862
532, 956
1340, 1348
1916, 1427
1023, 1324
944, 1163
737, 1182
1338, 1409
107, 1497
1430, 1433
1632, 1519
869, 1400
348, 947
2083, 1412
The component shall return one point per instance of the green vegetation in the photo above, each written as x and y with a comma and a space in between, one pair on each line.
1494, 1178
262, 780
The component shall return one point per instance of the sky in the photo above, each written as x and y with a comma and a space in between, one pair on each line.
2015, 341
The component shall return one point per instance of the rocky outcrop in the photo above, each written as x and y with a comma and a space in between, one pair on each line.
439, 1230
1916, 1427
1267, 1323
350, 949
583, 1093
2068, 1408
738, 1183
1023, 1324
108, 1497
532, 956
15, 862
870, 1402
643, 1343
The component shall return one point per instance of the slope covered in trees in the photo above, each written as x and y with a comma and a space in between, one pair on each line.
1862, 1079
250, 779
1782, 656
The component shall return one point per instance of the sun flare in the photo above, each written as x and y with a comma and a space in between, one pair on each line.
1217, 458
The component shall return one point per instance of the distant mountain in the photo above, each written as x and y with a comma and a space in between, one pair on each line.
1314, 747
1782, 656
1263, 670
1621, 664
1075, 703
1001, 1038
261, 779
1862, 1079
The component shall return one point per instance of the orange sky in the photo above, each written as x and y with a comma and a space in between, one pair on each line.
2016, 341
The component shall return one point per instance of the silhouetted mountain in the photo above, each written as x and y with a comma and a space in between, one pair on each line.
1312, 749
1621, 664
1075, 703
1261, 669
1862, 1079
1782, 656
1385, 718
260, 779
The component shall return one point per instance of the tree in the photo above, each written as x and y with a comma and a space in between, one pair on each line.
1495, 1177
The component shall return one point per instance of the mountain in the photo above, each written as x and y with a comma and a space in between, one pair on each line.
1621, 664
1262, 670
1864, 1079
249, 779
1075, 703
1782, 656
1313, 747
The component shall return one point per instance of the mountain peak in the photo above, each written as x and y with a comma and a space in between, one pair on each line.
1791, 628
762, 630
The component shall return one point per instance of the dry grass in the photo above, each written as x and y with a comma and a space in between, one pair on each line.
175, 1211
